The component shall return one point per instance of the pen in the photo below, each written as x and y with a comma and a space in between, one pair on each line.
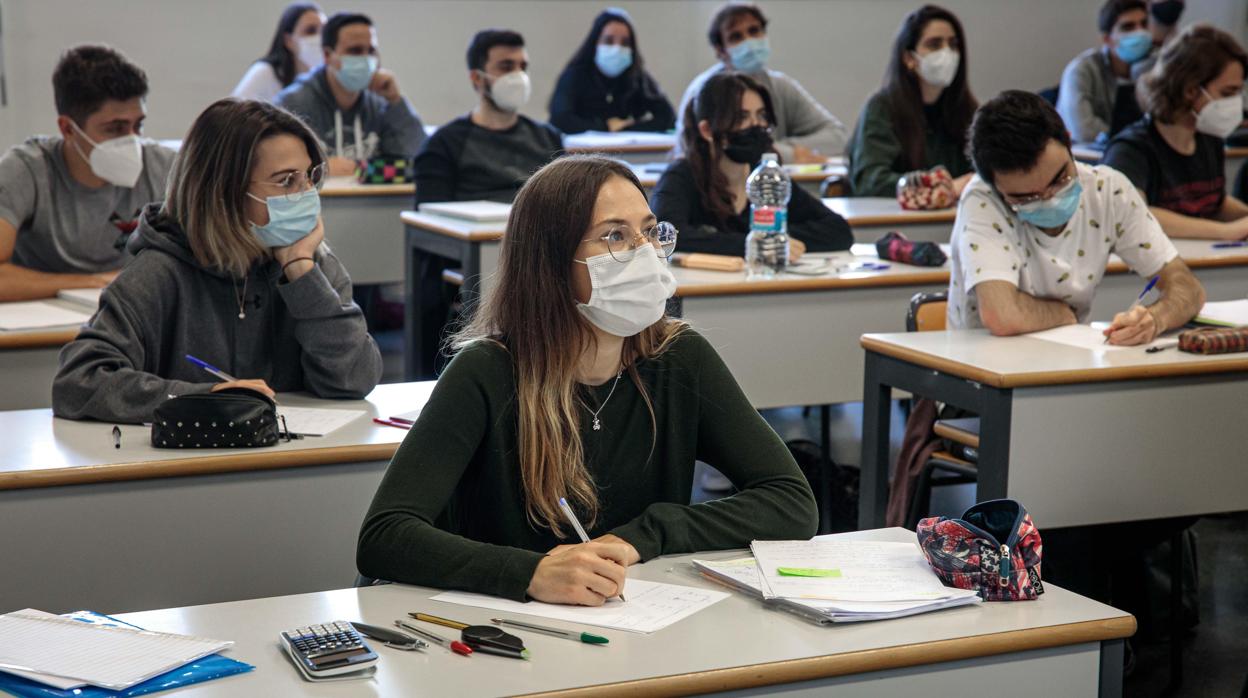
391, 423
588, 638
1236, 243
211, 369
453, 645
576, 523
1149, 287
116, 436
402, 420
481, 638
437, 620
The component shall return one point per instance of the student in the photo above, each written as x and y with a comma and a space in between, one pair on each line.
805, 131
295, 49
351, 103
571, 382
1176, 154
1035, 230
918, 119
1097, 97
605, 87
727, 131
490, 152
230, 269
68, 203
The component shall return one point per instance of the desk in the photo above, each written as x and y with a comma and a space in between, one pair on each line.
1235, 158
872, 217
28, 363
90, 526
805, 176
1061, 644
1080, 436
630, 146
359, 220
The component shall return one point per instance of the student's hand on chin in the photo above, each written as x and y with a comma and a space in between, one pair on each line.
386, 85
255, 384
586, 575
303, 247
341, 167
1136, 326
632, 556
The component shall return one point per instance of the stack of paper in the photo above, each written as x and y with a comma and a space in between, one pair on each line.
1225, 313
37, 315
87, 298
839, 581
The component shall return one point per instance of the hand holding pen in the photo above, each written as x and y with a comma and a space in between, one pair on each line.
586, 574
256, 384
1136, 325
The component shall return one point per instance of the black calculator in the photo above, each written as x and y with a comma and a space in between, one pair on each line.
328, 649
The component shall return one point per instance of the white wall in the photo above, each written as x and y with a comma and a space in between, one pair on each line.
194, 52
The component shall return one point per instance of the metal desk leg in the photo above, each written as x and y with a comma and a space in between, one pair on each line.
873, 497
412, 315
1111, 669
994, 443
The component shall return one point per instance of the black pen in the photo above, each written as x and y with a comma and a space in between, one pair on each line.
116, 436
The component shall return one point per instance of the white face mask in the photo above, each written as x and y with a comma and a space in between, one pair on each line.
511, 91
629, 296
1220, 117
938, 68
310, 52
118, 161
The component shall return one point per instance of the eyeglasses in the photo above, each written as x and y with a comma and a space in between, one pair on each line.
1059, 187
621, 241
295, 184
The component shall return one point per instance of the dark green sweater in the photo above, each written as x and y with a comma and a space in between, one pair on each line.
875, 158
450, 511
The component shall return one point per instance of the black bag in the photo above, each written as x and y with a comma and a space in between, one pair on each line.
230, 418
838, 503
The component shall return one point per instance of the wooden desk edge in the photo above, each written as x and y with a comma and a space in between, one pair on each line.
936, 276
408, 189
37, 340
881, 659
411, 220
947, 215
1039, 378
623, 148
206, 465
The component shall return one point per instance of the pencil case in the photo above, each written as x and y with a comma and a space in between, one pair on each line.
384, 171
899, 248
993, 549
925, 190
1214, 340
230, 418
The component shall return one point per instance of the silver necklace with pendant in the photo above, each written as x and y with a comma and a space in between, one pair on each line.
242, 314
595, 413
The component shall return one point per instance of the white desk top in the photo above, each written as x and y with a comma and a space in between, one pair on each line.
736, 643
861, 211
458, 228
54, 451
1012, 362
619, 141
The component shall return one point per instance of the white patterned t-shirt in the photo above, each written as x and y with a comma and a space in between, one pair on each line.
990, 243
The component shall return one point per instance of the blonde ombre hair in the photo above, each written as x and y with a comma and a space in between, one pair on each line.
207, 192
529, 311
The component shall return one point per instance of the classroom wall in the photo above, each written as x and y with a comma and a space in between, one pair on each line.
195, 52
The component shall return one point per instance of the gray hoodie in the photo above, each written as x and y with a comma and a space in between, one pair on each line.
302, 335
371, 128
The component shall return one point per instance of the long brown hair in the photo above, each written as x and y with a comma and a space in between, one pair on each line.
529, 311
718, 103
905, 101
1196, 56
207, 191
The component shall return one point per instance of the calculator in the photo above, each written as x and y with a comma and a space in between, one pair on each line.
328, 649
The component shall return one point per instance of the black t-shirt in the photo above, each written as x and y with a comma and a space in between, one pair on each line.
465, 162
1193, 185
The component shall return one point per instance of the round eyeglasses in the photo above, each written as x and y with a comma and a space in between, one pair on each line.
621, 241
293, 185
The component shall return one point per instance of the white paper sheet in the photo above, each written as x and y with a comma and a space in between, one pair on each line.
1093, 337
33, 315
110, 657
316, 421
651, 606
1228, 313
88, 298
869, 571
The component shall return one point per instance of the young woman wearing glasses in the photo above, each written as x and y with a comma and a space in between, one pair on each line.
232, 269
571, 383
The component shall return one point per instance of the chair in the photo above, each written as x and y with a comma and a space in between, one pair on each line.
833, 186
926, 314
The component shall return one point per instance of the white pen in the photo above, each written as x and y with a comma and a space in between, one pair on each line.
576, 523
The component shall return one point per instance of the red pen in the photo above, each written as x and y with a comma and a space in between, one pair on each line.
390, 423
453, 645
402, 420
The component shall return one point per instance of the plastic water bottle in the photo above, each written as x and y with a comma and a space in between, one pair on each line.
767, 245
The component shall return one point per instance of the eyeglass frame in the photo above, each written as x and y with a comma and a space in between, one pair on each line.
318, 182
1049, 192
663, 250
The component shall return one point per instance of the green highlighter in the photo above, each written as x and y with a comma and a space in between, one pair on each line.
806, 572
588, 638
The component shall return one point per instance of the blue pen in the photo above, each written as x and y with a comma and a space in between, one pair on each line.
1224, 245
211, 369
1152, 282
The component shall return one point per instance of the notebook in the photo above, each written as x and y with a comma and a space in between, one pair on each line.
316, 421
111, 657
35, 315
1224, 313
475, 211
85, 298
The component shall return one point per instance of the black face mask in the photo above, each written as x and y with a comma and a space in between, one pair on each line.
748, 145
1167, 12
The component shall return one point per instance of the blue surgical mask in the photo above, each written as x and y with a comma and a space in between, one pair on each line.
613, 60
356, 72
750, 56
289, 221
1050, 213
1134, 45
